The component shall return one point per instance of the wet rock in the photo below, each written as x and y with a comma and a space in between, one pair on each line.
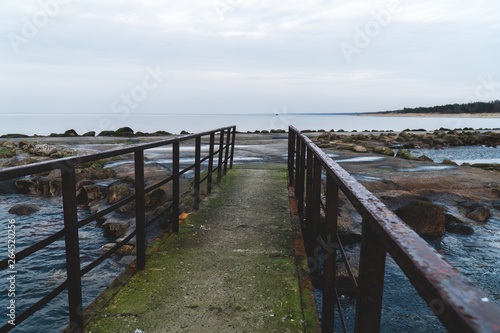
118, 192
153, 198
26, 186
84, 183
126, 250
24, 209
359, 149
425, 159
403, 153
459, 228
88, 193
453, 219
116, 227
478, 212
44, 150
383, 150
424, 217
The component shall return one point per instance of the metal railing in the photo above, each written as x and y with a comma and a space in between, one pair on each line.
224, 155
458, 304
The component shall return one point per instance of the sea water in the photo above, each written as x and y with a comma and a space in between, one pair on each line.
31, 124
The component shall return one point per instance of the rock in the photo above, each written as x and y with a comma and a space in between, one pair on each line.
116, 227
424, 217
28, 160
24, 209
459, 228
126, 250
359, 149
26, 186
7, 152
154, 197
26, 145
453, 219
107, 133
124, 131
88, 193
118, 192
70, 133
83, 183
425, 159
44, 150
91, 133
403, 153
478, 212
383, 150
9, 144
448, 162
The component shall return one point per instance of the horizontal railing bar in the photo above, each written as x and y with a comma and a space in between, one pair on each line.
33, 248
431, 275
69, 162
106, 255
105, 211
354, 282
204, 159
203, 179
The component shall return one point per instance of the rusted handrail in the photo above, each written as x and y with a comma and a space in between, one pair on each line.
458, 304
71, 223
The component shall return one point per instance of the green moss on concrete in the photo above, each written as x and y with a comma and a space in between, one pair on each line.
230, 267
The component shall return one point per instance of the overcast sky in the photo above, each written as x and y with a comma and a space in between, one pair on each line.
253, 56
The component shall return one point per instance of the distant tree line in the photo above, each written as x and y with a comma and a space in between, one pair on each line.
476, 107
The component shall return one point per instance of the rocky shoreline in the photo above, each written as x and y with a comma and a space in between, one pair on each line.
432, 198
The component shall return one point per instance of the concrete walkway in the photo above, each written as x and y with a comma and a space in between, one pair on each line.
231, 268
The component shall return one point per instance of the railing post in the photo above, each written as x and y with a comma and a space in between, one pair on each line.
370, 282
313, 245
140, 210
291, 156
72, 249
219, 164
329, 293
306, 227
210, 162
197, 153
301, 166
232, 148
226, 160
175, 187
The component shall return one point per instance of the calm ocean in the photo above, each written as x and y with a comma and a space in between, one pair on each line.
54, 123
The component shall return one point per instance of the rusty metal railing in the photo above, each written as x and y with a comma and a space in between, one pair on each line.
224, 155
458, 304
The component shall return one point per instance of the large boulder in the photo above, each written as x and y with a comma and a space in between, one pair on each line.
24, 209
426, 218
359, 149
44, 150
118, 192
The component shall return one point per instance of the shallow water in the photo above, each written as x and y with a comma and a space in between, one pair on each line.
460, 155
